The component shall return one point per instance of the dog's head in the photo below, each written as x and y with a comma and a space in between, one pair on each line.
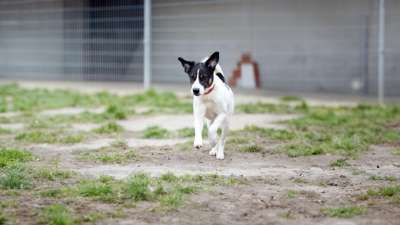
201, 74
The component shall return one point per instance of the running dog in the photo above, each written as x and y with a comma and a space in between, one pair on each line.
213, 101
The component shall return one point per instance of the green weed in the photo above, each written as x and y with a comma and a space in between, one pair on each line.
385, 178
51, 137
156, 132
339, 163
109, 155
109, 128
10, 156
137, 187
251, 148
15, 177
344, 212
57, 214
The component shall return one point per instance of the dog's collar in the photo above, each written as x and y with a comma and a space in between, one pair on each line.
209, 90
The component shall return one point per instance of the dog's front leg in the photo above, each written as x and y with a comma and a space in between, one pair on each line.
217, 146
199, 111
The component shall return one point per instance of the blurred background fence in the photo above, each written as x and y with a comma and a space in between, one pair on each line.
300, 45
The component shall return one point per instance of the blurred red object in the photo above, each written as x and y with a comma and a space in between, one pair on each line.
237, 76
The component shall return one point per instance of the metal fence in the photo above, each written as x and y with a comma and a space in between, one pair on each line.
53, 39
308, 45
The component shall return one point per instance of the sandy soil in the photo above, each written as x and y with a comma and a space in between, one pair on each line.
269, 177
263, 199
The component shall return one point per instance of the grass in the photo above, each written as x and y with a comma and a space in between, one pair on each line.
3, 219
345, 131
282, 135
96, 189
344, 212
384, 178
51, 174
109, 155
339, 163
137, 187
57, 214
51, 137
390, 192
156, 132
253, 148
290, 98
10, 156
261, 107
15, 177
5, 131
109, 128
291, 194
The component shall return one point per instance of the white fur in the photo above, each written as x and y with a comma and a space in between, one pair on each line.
216, 108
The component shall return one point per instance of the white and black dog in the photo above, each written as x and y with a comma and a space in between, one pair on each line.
212, 101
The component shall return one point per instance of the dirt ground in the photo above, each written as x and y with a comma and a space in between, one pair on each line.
276, 189
263, 199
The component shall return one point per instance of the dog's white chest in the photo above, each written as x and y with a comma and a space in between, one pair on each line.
211, 109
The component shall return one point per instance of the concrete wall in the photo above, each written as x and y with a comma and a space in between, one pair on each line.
28, 28
308, 45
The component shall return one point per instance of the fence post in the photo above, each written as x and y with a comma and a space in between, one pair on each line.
381, 53
147, 45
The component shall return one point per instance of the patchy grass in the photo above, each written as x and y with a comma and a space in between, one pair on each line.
137, 187
109, 128
51, 137
96, 189
339, 163
384, 178
389, 192
3, 219
34, 100
156, 132
110, 155
186, 132
115, 111
10, 156
253, 148
261, 107
291, 98
282, 135
15, 177
5, 131
291, 194
57, 214
51, 174
344, 212
344, 130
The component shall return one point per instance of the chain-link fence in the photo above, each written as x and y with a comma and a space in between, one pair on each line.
308, 45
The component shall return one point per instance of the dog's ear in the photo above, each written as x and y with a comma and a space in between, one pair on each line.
212, 61
187, 65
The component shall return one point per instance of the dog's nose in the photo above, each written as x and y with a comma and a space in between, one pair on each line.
196, 91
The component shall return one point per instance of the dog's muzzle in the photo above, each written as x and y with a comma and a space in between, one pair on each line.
196, 91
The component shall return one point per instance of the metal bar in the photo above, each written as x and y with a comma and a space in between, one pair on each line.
147, 45
381, 53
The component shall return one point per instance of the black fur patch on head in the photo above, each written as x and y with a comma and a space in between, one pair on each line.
204, 71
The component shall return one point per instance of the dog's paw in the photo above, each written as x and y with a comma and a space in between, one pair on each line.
198, 144
220, 155
213, 151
